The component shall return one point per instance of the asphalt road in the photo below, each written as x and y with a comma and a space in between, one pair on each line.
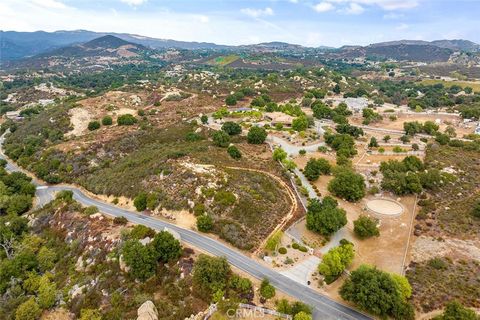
324, 307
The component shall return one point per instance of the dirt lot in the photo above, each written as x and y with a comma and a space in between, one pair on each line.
386, 123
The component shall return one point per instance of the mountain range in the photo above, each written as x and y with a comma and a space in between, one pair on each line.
18, 45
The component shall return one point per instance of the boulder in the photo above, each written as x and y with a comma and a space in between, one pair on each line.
147, 311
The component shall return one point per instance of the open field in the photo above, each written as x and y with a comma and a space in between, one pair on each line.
475, 85
223, 60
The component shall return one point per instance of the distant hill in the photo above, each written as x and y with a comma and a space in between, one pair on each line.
456, 44
17, 45
106, 46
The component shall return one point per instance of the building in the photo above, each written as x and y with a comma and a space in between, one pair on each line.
278, 118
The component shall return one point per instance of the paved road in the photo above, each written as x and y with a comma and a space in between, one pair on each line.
324, 307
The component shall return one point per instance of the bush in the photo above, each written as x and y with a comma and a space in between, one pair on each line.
29, 310
221, 139
274, 241
366, 227
140, 231
256, 135
267, 291
231, 100
282, 250
126, 120
224, 198
64, 195
347, 185
232, 128
279, 154
192, 137
93, 125
204, 119
140, 201
210, 274
204, 223
456, 311
120, 220
107, 121
476, 210
90, 210
234, 152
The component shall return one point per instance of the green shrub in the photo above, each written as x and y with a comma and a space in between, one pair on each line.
221, 139
234, 152
126, 120
93, 125
267, 291
224, 198
140, 201
90, 210
256, 135
232, 128
107, 121
282, 250
366, 227
204, 223
120, 220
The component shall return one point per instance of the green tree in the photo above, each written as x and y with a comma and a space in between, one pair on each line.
232, 128
140, 201
373, 142
325, 217
107, 121
256, 135
211, 274
386, 138
29, 310
93, 125
221, 139
376, 292
365, 227
204, 223
166, 247
335, 261
279, 154
204, 119
300, 123
316, 167
142, 260
321, 111
347, 185
234, 152
267, 291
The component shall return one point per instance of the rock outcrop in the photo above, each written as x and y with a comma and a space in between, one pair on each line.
147, 311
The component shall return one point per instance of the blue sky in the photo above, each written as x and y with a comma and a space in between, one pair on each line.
306, 22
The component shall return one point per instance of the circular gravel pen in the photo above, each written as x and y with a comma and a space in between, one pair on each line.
385, 207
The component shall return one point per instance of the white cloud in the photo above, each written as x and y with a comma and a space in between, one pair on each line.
51, 4
393, 16
203, 19
134, 2
323, 7
402, 27
384, 4
257, 13
354, 8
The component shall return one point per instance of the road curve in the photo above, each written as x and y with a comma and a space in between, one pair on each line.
324, 307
